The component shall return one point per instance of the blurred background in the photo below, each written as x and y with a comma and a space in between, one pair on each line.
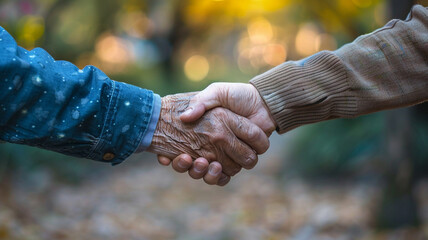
364, 178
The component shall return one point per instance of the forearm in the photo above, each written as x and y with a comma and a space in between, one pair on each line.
54, 105
382, 70
389, 68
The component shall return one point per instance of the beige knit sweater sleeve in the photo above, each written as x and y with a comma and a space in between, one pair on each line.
382, 70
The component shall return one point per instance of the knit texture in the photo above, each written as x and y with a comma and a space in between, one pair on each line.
382, 70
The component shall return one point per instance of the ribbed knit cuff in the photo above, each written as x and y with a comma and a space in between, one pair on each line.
307, 91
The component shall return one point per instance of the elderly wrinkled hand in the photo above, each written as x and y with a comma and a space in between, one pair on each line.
219, 135
242, 99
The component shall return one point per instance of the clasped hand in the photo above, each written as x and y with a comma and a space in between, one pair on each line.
215, 133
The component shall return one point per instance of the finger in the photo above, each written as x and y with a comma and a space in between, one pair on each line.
164, 160
249, 133
240, 153
224, 179
214, 173
182, 163
229, 166
199, 168
202, 102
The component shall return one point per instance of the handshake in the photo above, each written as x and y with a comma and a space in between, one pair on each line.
214, 133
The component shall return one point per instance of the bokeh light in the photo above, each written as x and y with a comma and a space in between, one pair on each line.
182, 46
260, 47
325, 41
274, 54
136, 24
306, 43
32, 29
112, 49
260, 31
196, 68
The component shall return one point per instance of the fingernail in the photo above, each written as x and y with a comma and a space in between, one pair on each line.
213, 169
188, 111
250, 161
199, 167
181, 164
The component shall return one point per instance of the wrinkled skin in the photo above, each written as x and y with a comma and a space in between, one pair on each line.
242, 99
219, 135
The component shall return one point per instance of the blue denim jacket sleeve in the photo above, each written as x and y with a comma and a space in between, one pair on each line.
54, 105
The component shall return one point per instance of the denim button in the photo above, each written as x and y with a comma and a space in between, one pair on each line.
108, 156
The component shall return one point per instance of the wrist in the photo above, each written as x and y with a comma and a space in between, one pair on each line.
269, 124
158, 135
170, 134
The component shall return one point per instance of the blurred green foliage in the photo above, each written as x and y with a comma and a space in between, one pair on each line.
336, 147
150, 43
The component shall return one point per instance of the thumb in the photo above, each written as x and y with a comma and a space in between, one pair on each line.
200, 103
193, 112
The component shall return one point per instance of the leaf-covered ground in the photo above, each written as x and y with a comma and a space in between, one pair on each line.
142, 200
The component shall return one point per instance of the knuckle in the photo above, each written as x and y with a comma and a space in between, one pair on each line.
240, 121
219, 113
218, 137
213, 85
213, 88
253, 134
218, 126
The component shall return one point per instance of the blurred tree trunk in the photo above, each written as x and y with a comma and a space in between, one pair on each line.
398, 205
175, 38
171, 37
399, 9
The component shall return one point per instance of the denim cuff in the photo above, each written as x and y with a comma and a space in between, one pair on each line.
148, 135
126, 124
